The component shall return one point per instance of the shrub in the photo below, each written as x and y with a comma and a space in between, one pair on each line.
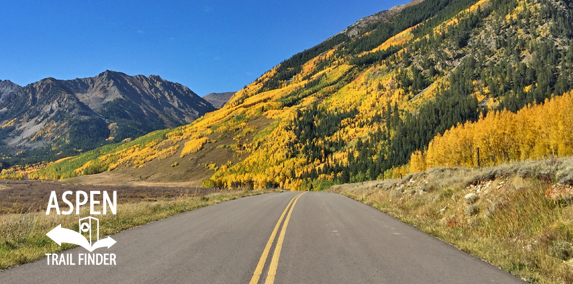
471, 198
472, 210
561, 250
448, 193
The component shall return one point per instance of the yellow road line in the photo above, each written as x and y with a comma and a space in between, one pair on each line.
275, 261
261, 264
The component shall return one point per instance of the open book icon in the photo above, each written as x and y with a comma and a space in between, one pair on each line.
61, 235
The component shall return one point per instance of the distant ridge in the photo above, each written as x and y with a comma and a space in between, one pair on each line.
218, 100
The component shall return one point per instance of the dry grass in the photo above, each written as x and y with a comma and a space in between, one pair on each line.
23, 235
522, 220
26, 196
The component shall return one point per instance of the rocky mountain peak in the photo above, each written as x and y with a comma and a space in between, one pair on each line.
357, 27
7, 87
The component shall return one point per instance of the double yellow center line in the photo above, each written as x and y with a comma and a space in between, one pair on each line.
277, 253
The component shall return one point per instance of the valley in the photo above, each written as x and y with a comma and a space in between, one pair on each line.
357, 106
452, 116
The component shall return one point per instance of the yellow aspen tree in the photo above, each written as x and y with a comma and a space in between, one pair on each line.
417, 162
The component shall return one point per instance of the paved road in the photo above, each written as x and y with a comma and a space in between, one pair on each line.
320, 238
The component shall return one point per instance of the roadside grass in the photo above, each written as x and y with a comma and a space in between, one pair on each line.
23, 236
520, 219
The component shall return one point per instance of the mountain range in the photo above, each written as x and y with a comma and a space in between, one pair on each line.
358, 105
52, 118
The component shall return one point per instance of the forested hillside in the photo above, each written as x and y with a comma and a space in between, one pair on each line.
356, 106
534, 132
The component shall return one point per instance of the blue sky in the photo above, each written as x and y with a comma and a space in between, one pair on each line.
207, 45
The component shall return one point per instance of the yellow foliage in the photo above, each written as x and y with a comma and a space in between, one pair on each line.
310, 66
455, 20
476, 6
212, 167
401, 38
82, 168
193, 146
45, 131
20, 172
9, 123
399, 172
535, 132
417, 162
62, 159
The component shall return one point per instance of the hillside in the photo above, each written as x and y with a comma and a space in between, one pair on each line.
218, 99
356, 106
52, 119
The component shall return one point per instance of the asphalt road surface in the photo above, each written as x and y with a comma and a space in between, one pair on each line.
273, 238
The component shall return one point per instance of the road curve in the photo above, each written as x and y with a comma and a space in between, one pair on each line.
321, 237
